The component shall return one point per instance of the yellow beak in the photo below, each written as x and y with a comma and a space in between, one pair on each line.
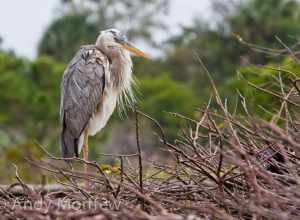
128, 46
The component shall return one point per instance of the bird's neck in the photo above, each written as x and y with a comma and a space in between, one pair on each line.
121, 70
120, 64
121, 76
120, 73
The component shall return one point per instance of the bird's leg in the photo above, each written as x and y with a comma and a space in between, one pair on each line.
85, 151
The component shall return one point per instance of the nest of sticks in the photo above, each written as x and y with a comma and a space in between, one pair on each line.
223, 166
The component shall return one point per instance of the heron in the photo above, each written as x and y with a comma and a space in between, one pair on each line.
97, 79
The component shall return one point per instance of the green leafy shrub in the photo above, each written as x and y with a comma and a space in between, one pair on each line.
162, 95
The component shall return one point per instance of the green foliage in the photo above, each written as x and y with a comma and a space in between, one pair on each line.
31, 98
29, 109
15, 154
162, 95
66, 35
255, 21
82, 21
260, 21
120, 14
250, 77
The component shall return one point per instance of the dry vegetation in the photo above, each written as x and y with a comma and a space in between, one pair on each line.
224, 166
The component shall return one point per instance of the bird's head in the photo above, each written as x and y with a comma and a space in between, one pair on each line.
112, 41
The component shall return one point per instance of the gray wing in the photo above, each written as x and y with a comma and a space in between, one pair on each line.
81, 91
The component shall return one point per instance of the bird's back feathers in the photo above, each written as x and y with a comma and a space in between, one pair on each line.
82, 90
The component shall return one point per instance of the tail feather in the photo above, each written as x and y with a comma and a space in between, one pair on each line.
69, 144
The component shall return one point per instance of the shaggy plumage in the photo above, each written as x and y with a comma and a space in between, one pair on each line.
97, 79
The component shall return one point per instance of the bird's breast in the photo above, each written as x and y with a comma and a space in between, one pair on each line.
103, 112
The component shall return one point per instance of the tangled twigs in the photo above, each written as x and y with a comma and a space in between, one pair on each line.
223, 166
139, 153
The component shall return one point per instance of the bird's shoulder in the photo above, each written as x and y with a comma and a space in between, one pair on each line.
91, 54
89, 60
83, 81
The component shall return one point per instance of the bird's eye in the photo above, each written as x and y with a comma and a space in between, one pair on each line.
113, 32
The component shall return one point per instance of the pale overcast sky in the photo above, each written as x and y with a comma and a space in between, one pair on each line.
23, 22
